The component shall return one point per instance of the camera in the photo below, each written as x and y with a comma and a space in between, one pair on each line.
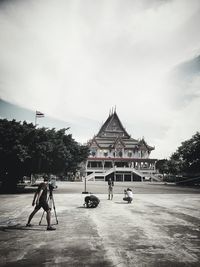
51, 187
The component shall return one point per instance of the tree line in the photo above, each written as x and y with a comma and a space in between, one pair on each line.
185, 160
26, 150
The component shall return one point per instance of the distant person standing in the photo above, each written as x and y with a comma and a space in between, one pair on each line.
110, 188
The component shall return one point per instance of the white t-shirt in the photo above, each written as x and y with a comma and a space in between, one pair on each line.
130, 193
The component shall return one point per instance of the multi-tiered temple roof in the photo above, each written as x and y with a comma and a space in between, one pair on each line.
112, 134
115, 154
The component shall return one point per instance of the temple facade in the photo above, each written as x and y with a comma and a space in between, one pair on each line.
115, 154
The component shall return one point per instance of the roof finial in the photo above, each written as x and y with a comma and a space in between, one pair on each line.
115, 108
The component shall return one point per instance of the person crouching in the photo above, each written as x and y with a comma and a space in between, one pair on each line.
91, 201
128, 195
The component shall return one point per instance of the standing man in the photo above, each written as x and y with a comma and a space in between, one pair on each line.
40, 199
110, 188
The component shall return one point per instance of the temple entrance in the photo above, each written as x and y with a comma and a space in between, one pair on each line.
119, 177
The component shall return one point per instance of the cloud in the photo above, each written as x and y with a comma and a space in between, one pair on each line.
75, 59
184, 81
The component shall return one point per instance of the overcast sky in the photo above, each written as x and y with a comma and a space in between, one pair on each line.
75, 60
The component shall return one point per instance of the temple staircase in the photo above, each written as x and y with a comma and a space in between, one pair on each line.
93, 175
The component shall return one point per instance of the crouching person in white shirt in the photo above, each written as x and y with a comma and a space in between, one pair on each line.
128, 195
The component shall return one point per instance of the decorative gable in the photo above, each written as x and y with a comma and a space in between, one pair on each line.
113, 128
94, 144
114, 125
119, 144
143, 145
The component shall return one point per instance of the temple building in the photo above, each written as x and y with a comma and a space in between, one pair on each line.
114, 154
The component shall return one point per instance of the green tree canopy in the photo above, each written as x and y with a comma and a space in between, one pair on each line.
185, 160
187, 156
162, 166
25, 149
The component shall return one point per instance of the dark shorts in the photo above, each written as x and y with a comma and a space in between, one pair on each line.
43, 205
129, 199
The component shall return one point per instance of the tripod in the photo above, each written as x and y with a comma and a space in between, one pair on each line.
50, 201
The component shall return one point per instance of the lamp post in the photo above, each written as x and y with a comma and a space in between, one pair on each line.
85, 192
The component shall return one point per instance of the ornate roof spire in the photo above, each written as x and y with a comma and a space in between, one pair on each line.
113, 127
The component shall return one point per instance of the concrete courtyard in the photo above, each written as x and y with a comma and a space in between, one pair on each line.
160, 228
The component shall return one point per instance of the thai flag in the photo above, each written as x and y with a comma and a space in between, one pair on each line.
39, 114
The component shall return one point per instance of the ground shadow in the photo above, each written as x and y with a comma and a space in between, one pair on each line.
20, 227
46, 224
27, 190
121, 202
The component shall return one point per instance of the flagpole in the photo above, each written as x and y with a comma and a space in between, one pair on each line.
38, 114
35, 118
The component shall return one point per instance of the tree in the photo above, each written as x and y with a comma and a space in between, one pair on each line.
25, 149
162, 166
14, 151
186, 159
187, 155
174, 166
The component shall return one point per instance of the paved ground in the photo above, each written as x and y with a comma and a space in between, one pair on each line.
137, 187
160, 228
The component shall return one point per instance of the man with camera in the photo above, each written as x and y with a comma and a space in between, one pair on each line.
40, 200
128, 195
